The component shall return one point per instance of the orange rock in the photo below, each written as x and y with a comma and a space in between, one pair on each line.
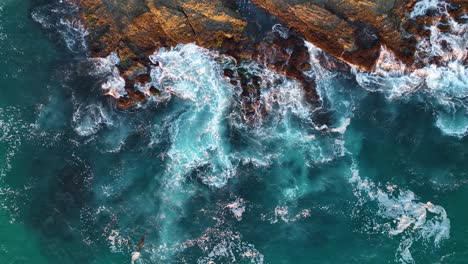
351, 30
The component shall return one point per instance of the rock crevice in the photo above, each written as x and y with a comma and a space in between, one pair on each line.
352, 30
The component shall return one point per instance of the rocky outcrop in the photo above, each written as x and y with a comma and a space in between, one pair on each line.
133, 28
351, 30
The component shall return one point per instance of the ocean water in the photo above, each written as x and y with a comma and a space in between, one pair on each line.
375, 173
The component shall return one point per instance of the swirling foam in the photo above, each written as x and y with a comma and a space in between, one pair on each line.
61, 17
115, 84
411, 219
198, 138
200, 106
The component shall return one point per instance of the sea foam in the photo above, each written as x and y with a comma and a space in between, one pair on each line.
409, 218
442, 83
61, 18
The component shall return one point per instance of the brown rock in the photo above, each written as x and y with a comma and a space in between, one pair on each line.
136, 28
350, 30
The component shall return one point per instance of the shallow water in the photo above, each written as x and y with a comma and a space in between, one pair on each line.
381, 180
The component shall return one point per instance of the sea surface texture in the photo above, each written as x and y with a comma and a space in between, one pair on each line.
376, 173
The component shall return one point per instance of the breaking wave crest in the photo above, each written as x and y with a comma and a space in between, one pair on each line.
203, 114
114, 85
442, 81
190, 75
200, 137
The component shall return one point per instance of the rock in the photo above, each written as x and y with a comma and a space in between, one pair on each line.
288, 56
136, 28
228, 73
352, 31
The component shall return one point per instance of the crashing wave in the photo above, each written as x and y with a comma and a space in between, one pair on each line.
441, 82
335, 97
189, 73
189, 76
115, 84
199, 109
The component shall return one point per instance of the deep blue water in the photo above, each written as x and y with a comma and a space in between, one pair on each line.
384, 181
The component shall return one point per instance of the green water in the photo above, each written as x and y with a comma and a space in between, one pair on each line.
82, 182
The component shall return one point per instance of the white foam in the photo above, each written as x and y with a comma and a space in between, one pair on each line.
190, 80
228, 247
135, 256
342, 127
416, 220
283, 119
336, 99
422, 6
403, 254
218, 245
117, 242
453, 124
190, 73
74, 34
3, 35
442, 85
88, 119
282, 212
281, 30
237, 208
391, 77
114, 85
12, 130
61, 17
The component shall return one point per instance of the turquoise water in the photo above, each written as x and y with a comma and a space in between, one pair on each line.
376, 174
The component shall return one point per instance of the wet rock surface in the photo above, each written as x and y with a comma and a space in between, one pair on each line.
352, 31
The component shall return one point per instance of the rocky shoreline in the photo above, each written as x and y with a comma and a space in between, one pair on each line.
351, 31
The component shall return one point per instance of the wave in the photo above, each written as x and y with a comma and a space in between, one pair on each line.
335, 89
423, 6
442, 81
14, 132
198, 97
107, 67
198, 137
203, 114
88, 119
200, 111
208, 104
